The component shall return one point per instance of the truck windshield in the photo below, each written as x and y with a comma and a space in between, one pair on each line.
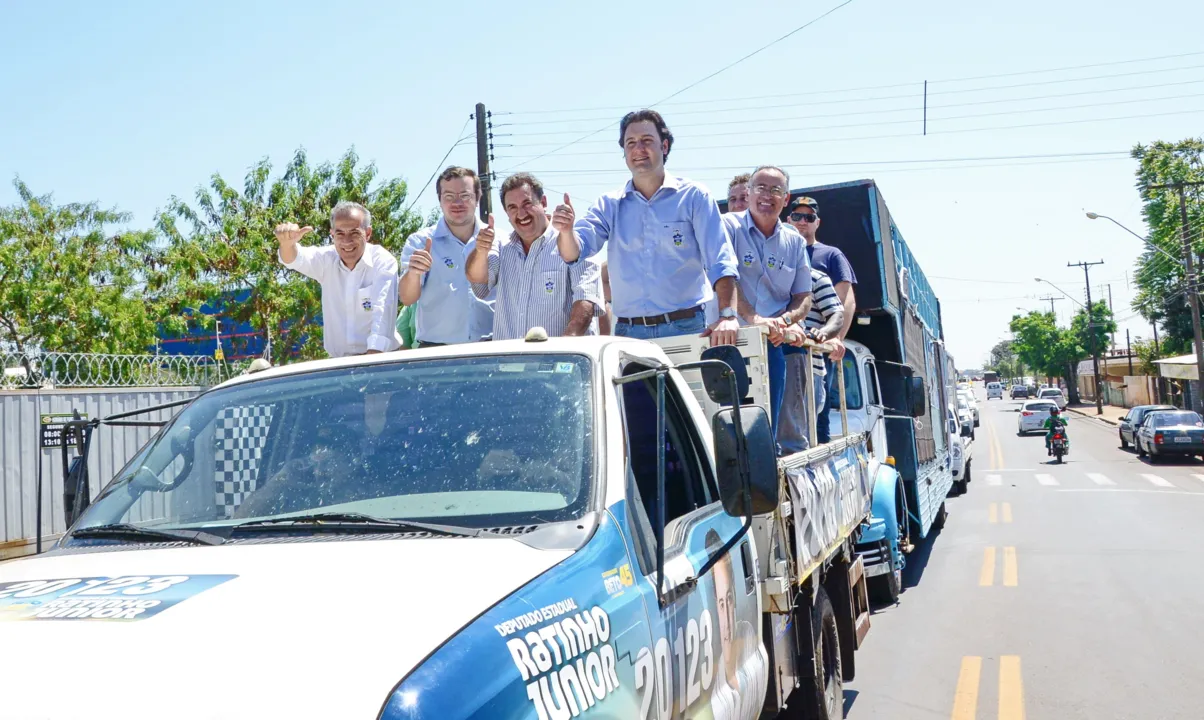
477, 441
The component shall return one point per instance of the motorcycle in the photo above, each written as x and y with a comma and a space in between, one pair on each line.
1057, 445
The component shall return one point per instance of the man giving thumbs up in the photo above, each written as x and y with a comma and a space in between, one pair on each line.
358, 279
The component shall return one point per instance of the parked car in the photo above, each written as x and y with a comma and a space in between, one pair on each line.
962, 446
964, 417
1131, 422
994, 390
1033, 414
1019, 391
972, 403
1170, 432
1054, 394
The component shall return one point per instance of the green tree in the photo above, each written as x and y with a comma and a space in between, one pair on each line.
1047, 349
1095, 338
1161, 283
1147, 353
70, 278
225, 251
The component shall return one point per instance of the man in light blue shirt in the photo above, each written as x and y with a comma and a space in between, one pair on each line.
667, 243
432, 267
775, 276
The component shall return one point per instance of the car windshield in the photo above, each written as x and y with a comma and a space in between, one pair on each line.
1050, 393
1170, 419
479, 441
1039, 407
961, 403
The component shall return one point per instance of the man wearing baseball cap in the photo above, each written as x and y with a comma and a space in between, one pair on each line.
803, 214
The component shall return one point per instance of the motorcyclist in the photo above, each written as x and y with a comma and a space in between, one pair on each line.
1051, 425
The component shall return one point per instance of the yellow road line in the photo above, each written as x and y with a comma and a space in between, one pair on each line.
965, 699
1010, 578
1007, 512
1011, 689
993, 513
986, 576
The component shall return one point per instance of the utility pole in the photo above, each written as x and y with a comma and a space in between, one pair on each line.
484, 145
1113, 311
1129, 351
1099, 397
1192, 290
1052, 300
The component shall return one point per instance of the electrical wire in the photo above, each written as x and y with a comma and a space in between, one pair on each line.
440, 165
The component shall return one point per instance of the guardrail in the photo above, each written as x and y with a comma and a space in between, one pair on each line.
49, 370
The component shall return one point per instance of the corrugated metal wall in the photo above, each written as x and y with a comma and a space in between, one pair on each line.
112, 447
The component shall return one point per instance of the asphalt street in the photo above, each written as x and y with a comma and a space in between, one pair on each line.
1054, 591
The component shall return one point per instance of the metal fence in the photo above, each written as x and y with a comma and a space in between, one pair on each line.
50, 370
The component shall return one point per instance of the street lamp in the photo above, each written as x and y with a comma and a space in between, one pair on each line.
1193, 295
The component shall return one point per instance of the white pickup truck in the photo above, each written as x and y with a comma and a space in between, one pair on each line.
513, 529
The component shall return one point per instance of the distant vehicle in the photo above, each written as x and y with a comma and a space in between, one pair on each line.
990, 377
1170, 432
1129, 424
994, 390
972, 402
1033, 414
965, 417
1019, 391
1054, 394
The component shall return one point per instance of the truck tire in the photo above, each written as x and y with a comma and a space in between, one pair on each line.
884, 589
822, 697
941, 516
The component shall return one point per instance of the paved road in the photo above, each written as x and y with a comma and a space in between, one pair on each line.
1054, 592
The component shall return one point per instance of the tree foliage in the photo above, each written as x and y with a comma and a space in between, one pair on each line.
1041, 345
222, 246
1093, 339
1161, 281
69, 281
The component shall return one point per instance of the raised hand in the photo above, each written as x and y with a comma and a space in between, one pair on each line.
563, 216
485, 237
421, 260
287, 234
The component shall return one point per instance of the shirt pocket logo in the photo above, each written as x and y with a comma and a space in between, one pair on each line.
679, 233
748, 259
366, 304
772, 262
549, 281
678, 238
451, 264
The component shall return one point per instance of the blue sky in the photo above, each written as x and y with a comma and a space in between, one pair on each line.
130, 103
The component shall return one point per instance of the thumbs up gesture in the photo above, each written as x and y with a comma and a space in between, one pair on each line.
287, 234
421, 260
564, 217
485, 236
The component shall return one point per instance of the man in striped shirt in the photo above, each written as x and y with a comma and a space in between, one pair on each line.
824, 320
535, 287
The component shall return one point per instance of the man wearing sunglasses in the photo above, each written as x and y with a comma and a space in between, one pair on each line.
358, 279
804, 216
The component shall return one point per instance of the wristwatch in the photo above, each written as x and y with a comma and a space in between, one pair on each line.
727, 312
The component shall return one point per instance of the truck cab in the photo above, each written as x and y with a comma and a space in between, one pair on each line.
510, 529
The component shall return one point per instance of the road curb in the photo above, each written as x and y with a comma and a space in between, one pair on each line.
1077, 411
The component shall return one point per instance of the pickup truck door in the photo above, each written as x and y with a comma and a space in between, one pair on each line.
706, 650
874, 409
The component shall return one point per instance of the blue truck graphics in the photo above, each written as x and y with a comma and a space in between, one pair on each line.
100, 598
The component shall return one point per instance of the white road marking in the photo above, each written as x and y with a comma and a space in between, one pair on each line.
1159, 481
1047, 480
1198, 477
1118, 491
1099, 479
994, 480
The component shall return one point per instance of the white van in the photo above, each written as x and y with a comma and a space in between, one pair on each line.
994, 390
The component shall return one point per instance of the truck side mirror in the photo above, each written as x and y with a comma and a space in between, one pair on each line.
760, 454
717, 382
918, 397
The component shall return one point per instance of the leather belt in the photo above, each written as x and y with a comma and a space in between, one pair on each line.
664, 318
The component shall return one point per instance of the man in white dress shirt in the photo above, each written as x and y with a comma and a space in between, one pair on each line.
358, 279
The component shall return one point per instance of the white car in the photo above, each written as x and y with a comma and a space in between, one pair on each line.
971, 404
962, 447
1053, 394
994, 390
1033, 414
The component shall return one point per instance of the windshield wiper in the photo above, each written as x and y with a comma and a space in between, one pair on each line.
125, 530
354, 522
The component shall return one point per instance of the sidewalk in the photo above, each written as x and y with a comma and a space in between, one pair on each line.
1112, 413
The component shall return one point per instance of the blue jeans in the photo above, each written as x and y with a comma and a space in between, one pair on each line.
792, 430
823, 431
777, 379
673, 328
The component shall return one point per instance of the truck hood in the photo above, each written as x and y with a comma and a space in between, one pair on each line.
305, 629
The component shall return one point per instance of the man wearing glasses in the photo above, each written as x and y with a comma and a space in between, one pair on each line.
358, 279
432, 266
775, 279
804, 216
667, 243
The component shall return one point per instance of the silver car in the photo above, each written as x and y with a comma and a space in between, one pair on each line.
1033, 414
1053, 394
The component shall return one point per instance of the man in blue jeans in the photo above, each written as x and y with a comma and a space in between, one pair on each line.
804, 216
775, 277
666, 243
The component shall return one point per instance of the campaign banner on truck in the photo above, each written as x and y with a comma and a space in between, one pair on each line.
133, 597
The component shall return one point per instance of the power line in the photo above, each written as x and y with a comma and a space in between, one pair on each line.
805, 25
916, 84
440, 165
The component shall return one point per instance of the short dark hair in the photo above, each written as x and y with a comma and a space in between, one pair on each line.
453, 172
516, 181
739, 180
652, 116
